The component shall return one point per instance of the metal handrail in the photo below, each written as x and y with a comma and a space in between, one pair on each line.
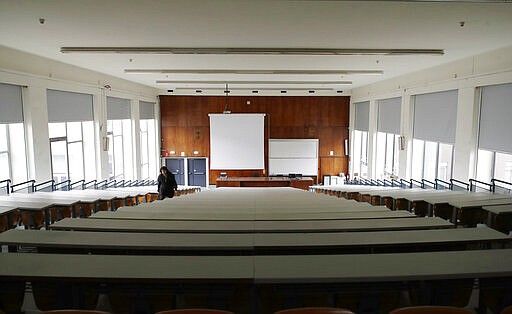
471, 185
461, 183
101, 184
119, 183
56, 186
85, 185
388, 182
400, 183
442, 183
81, 182
493, 182
7, 190
31, 187
380, 182
111, 184
431, 184
36, 186
416, 181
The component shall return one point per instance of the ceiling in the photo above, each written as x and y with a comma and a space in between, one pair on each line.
457, 28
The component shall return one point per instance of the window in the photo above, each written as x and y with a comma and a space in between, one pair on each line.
148, 148
71, 132
120, 149
494, 165
431, 160
360, 154
13, 162
72, 151
387, 155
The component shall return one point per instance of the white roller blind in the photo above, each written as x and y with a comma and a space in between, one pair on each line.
435, 116
495, 118
389, 115
146, 110
68, 106
11, 106
118, 108
362, 115
237, 141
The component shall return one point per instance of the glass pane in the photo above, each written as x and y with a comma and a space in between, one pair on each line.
390, 150
503, 168
143, 126
484, 165
59, 161
4, 167
111, 156
76, 161
118, 157
128, 152
429, 169
380, 156
396, 156
356, 149
364, 147
152, 153
17, 152
417, 159
3, 137
444, 168
145, 171
117, 127
109, 125
144, 147
57, 129
74, 131
89, 151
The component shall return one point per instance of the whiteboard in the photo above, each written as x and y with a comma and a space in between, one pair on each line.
293, 156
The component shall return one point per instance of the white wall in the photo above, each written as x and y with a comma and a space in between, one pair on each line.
466, 75
37, 74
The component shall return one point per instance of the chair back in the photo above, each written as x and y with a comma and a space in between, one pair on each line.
194, 311
431, 310
507, 310
315, 310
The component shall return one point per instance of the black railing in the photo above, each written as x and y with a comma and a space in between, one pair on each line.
499, 188
101, 185
46, 186
111, 184
29, 185
474, 186
89, 184
62, 186
418, 184
426, 184
442, 185
404, 184
459, 185
380, 183
6, 186
78, 185
387, 183
119, 184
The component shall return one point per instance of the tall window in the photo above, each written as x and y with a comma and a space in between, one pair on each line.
149, 155
494, 143
435, 117
13, 163
71, 132
120, 139
388, 126
360, 144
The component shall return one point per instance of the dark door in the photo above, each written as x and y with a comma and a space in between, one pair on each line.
176, 166
197, 171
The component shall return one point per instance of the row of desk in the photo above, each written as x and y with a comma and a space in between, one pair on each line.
256, 251
40, 209
468, 208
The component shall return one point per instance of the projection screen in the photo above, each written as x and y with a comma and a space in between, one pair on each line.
237, 141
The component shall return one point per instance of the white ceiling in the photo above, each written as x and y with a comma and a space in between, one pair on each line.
254, 24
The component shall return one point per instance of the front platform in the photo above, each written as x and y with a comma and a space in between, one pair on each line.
300, 183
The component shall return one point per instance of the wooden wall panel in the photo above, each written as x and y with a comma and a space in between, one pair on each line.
185, 125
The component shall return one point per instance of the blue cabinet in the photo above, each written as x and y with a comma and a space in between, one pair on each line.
197, 171
176, 166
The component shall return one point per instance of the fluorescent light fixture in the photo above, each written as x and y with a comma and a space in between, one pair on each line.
255, 51
252, 89
256, 82
224, 71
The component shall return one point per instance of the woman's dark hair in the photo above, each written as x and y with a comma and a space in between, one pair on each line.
164, 168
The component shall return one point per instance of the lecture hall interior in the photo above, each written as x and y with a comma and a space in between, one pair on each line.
331, 156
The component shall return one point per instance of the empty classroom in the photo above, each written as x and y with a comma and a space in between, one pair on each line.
330, 157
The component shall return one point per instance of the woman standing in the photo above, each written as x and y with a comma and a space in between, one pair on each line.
166, 184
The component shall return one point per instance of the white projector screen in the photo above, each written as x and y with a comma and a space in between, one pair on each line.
237, 141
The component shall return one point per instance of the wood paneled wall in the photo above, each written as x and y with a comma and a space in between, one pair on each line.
186, 125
